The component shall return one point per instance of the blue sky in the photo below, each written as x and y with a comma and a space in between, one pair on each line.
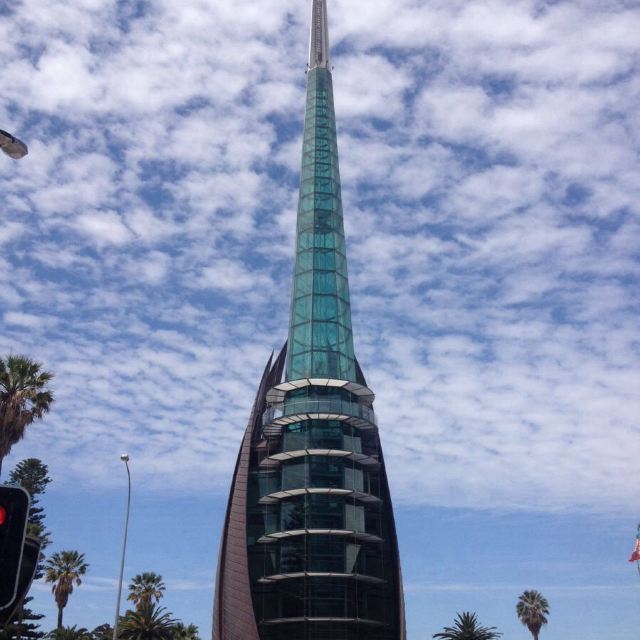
490, 183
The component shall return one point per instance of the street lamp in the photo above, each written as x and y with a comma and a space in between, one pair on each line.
125, 458
13, 147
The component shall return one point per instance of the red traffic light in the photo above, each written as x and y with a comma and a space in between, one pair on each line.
14, 513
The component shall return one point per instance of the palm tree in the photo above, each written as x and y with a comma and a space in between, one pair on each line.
147, 622
533, 609
102, 632
189, 632
466, 628
62, 569
23, 398
69, 633
146, 587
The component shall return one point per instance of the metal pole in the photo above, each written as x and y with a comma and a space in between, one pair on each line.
125, 458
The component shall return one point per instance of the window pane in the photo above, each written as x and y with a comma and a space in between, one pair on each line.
325, 472
353, 478
295, 436
293, 514
293, 475
325, 512
327, 598
268, 483
352, 443
325, 435
292, 555
351, 558
326, 553
354, 517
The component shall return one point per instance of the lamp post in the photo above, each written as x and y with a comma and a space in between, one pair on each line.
125, 458
13, 147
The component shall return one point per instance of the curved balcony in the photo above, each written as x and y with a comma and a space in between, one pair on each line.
273, 498
343, 533
360, 458
277, 394
358, 415
321, 574
363, 621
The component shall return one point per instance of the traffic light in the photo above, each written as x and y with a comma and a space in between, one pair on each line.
14, 511
28, 567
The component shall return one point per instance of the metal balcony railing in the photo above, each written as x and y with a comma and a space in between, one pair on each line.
310, 406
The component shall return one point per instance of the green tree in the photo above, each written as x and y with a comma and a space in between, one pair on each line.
532, 609
188, 632
102, 632
23, 398
148, 622
145, 588
32, 474
62, 569
69, 633
466, 627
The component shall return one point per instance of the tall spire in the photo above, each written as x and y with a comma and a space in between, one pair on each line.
320, 336
319, 40
309, 546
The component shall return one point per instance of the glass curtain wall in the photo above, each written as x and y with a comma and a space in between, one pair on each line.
320, 335
319, 551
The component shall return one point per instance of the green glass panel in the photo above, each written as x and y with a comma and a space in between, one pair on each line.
306, 240
319, 434
325, 308
294, 475
325, 335
304, 284
324, 282
305, 261
295, 438
354, 478
293, 514
301, 335
320, 336
352, 443
268, 483
302, 309
354, 517
325, 240
300, 361
326, 260
351, 558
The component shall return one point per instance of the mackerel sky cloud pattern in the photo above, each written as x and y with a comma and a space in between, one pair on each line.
490, 179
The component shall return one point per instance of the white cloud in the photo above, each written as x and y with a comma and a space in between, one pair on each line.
25, 320
232, 276
10, 230
490, 182
103, 227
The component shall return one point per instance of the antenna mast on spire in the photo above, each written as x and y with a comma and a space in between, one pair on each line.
319, 38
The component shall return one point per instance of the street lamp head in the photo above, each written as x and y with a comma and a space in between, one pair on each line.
13, 147
124, 457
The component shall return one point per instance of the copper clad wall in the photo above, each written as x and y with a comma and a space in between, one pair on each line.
233, 617
400, 623
233, 609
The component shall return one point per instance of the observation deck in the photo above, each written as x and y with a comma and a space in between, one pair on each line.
343, 533
361, 458
278, 393
360, 577
363, 621
357, 415
278, 496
